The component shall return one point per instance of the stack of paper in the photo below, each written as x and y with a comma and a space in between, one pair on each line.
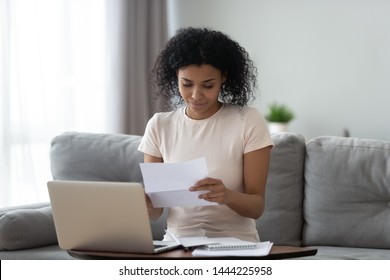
222, 246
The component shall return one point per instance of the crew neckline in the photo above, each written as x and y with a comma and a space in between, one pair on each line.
202, 120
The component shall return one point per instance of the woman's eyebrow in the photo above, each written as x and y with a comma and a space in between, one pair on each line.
209, 80
205, 81
185, 79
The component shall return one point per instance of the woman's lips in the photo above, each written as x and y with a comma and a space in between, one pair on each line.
197, 105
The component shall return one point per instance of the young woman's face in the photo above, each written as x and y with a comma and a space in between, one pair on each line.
199, 86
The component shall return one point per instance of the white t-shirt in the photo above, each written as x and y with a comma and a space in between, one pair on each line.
222, 139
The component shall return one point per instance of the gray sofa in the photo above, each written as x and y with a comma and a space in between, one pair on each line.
330, 193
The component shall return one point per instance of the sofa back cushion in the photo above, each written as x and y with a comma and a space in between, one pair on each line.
96, 157
347, 193
282, 220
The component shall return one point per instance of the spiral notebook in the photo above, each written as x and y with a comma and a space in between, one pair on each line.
261, 249
229, 243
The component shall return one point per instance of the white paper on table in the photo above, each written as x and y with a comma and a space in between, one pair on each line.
262, 249
167, 184
188, 242
219, 242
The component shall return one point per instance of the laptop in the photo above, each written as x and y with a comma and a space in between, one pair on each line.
103, 216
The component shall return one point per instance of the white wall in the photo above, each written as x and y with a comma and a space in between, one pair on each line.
329, 60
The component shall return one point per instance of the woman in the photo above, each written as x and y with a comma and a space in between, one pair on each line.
214, 77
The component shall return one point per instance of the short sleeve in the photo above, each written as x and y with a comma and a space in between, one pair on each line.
150, 142
256, 133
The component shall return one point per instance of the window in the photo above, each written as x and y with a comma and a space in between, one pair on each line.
52, 55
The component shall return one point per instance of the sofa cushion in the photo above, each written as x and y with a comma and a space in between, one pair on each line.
96, 157
347, 193
282, 220
349, 253
50, 252
27, 227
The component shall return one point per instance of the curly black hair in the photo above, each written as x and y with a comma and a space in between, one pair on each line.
197, 46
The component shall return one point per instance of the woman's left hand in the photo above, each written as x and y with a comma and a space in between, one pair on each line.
215, 190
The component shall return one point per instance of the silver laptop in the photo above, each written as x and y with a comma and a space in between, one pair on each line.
103, 216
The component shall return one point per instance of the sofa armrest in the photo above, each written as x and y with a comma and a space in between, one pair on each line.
27, 226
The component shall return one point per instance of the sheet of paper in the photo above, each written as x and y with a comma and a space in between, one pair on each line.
262, 249
167, 184
188, 242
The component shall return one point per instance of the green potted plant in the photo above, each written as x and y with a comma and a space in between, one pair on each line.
278, 117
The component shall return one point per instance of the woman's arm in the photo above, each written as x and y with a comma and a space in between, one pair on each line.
250, 203
154, 213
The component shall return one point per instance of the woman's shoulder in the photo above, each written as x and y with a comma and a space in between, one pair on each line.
244, 111
167, 115
163, 117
